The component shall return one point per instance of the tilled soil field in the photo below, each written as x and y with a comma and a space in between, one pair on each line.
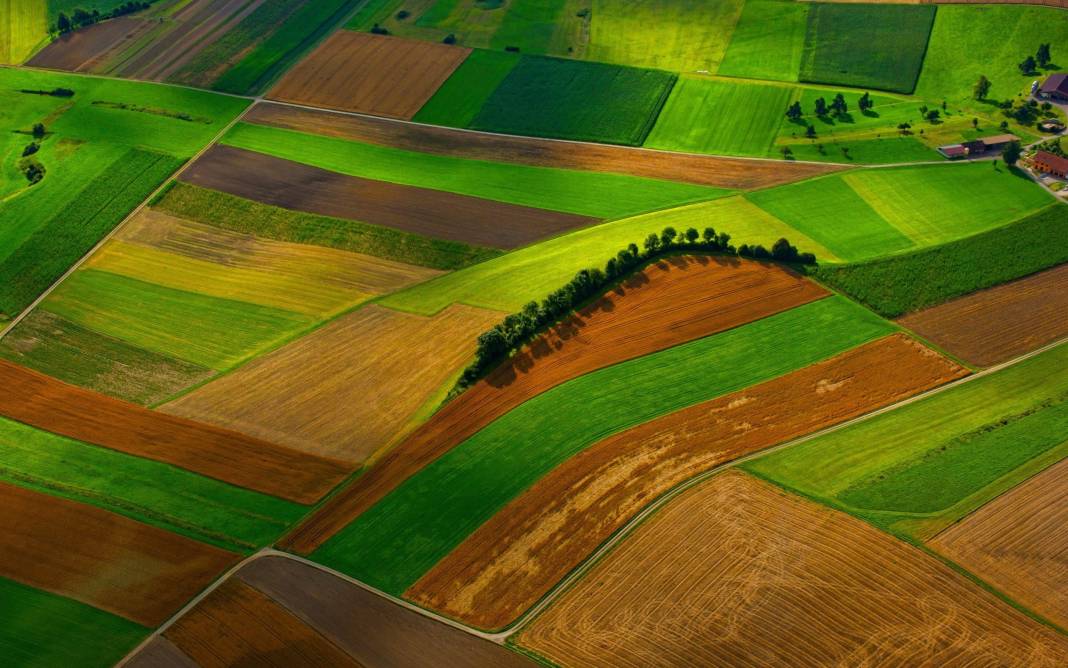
106, 560
372, 74
84, 50
433, 213
737, 572
669, 303
46, 403
995, 325
514, 559
739, 173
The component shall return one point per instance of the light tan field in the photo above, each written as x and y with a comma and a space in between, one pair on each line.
1019, 544
739, 573
348, 389
161, 249
512, 560
374, 74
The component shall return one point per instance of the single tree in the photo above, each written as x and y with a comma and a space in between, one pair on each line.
793, 112
975, 123
1012, 153
1028, 65
1004, 125
38, 130
810, 132
821, 106
932, 115
865, 103
63, 23
981, 88
692, 235
838, 105
652, 244
786, 152
709, 235
1043, 56
668, 236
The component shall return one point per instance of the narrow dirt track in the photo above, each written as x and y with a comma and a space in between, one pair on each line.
43, 402
737, 572
669, 303
510, 562
111, 562
433, 213
734, 173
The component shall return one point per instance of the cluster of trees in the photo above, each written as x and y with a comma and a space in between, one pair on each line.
1026, 112
31, 167
518, 329
80, 18
837, 108
1042, 58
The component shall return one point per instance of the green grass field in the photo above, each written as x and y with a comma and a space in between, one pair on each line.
768, 41
508, 282
588, 193
458, 100
43, 630
904, 283
392, 544
271, 222
918, 468
724, 117
674, 35
570, 99
866, 46
195, 328
538, 26
23, 26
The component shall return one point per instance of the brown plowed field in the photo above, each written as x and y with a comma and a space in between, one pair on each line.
995, 325
373, 74
81, 50
738, 573
371, 628
46, 403
347, 389
739, 173
667, 304
514, 559
235, 625
160, 653
433, 213
1019, 544
106, 560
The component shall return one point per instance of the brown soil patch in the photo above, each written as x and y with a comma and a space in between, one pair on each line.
666, 304
1018, 543
995, 325
83, 50
433, 213
347, 389
46, 403
372, 74
159, 653
370, 627
510, 562
738, 573
739, 173
106, 560
236, 625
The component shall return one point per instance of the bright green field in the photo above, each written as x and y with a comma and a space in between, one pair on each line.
571, 99
831, 212
721, 117
903, 283
392, 544
587, 193
919, 467
536, 26
508, 282
23, 25
674, 35
207, 331
158, 494
458, 100
42, 630
972, 40
866, 46
768, 41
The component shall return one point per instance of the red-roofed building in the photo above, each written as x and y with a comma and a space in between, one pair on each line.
1055, 87
1048, 163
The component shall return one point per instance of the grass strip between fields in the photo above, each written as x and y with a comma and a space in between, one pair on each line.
396, 541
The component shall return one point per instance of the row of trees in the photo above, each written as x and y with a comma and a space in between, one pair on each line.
518, 329
837, 107
80, 18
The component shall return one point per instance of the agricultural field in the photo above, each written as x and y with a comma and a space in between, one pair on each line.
23, 26
736, 567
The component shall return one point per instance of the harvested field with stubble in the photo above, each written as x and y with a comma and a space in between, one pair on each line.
348, 389
241, 460
87, 50
113, 563
434, 213
737, 572
739, 173
372, 74
995, 325
1018, 543
510, 562
669, 303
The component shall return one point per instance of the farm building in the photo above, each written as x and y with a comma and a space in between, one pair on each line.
977, 147
1048, 163
1055, 87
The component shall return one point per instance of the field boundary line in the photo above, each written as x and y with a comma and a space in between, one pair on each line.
123, 223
